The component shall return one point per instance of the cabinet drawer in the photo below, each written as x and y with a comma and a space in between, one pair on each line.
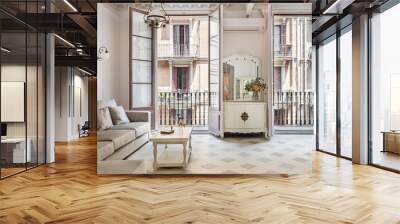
255, 116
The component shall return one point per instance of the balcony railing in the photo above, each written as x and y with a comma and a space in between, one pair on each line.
284, 51
282, 54
167, 50
191, 106
293, 108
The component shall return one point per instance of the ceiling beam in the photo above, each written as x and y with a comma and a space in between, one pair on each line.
91, 5
84, 24
81, 61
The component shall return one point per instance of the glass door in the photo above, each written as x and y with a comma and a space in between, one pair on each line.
214, 111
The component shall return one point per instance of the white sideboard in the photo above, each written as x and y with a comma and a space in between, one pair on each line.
245, 117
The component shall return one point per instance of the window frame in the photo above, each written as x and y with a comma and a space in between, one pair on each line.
131, 59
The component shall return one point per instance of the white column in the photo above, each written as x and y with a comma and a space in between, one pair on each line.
269, 70
360, 90
50, 99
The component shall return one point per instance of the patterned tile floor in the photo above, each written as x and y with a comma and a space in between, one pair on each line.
282, 154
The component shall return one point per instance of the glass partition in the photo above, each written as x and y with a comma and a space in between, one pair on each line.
31, 99
14, 153
22, 77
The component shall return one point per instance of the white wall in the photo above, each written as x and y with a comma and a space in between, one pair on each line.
67, 112
113, 73
33, 125
248, 43
123, 98
17, 73
79, 117
62, 82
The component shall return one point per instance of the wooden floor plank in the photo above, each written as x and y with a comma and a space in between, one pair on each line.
70, 191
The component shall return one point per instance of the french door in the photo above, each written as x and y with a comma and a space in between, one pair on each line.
141, 94
215, 69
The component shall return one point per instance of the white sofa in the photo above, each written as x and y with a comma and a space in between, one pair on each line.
120, 141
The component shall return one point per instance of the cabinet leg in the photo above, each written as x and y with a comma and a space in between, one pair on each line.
184, 155
154, 156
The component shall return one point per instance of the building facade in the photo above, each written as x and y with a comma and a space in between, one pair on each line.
183, 55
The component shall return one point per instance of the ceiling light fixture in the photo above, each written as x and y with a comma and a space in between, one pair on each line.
70, 5
5, 50
156, 17
64, 40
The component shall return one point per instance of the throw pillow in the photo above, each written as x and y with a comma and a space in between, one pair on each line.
104, 119
118, 115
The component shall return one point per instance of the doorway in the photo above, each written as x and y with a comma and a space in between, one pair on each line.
182, 71
293, 81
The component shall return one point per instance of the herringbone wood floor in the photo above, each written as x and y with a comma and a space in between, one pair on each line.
70, 191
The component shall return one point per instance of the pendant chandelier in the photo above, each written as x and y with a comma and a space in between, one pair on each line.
156, 17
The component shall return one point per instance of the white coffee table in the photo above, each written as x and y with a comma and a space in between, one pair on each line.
169, 158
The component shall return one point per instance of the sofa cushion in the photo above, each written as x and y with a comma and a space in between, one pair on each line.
104, 149
138, 116
119, 138
104, 119
139, 127
118, 115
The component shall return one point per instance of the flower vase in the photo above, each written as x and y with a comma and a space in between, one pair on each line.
256, 96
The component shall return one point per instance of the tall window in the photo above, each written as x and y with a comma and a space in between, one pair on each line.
327, 96
141, 63
277, 37
181, 78
385, 92
346, 92
181, 40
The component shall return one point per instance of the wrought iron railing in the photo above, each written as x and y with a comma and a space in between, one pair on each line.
293, 108
283, 51
167, 50
192, 107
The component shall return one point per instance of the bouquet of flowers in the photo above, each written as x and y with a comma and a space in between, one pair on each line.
257, 85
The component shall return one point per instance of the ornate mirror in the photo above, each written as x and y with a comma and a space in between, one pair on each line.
239, 70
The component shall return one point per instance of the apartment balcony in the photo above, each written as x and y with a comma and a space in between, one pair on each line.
168, 50
191, 106
294, 111
283, 53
